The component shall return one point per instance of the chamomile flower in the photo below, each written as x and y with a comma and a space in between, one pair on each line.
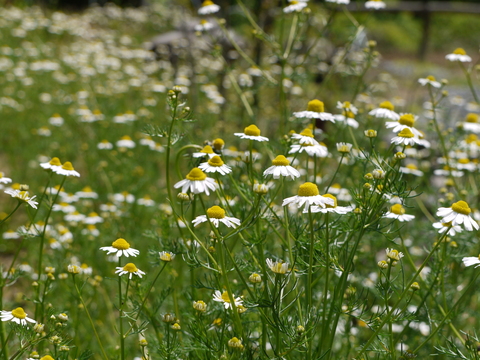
86, 193
166, 256
375, 4
197, 182
52, 164
121, 248
342, 210
305, 137
251, 132
208, 7
204, 25
295, 6
430, 80
471, 260
344, 148
397, 212
307, 196
460, 55
56, 120
466, 164
458, 214
125, 142
104, 145
393, 255
278, 267
315, 110
471, 123
405, 121
225, 299
206, 151
347, 106
442, 227
216, 215
319, 150
66, 169
347, 117
4, 179
405, 137
411, 169
129, 269
17, 315
92, 219
281, 167
385, 110
22, 195
215, 164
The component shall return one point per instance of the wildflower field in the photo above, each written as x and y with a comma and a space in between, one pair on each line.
254, 181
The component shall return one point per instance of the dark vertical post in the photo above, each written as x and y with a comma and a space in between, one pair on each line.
425, 16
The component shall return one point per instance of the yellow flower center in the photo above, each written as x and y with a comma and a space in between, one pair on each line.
459, 51
307, 132
68, 166
225, 297
387, 105
406, 133
316, 106
471, 118
87, 189
461, 207
447, 224
47, 357
218, 144
407, 120
431, 78
207, 3
92, 214
412, 167
216, 212
196, 175
55, 162
130, 267
215, 161
280, 160
349, 114
397, 209
278, 268
126, 137
347, 104
463, 161
308, 189
19, 313
330, 196
121, 244
203, 22
252, 130
207, 150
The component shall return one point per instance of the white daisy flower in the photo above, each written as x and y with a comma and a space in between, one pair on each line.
52, 164
206, 151
281, 167
348, 118
405, 137
146, 201
215, 164
295, 6
225, 299
344, 148
166, 256
458, 214
307, 196
405, 121
204, 25
74, 217
397, 212
460, 55
319, 150
216, 215
66, 170
4, 179
375, 4
121, 248
442, 227
305, 137
104, 145
278, 267
197, 182
472, 260
125, 142
17, 315
315, 110
471, 123
129, 269
430, 80
22, 195
92, 219
208, 7
86, 193
251, 132
393, 254
385, 110
347, 106
466, 164
342, 210
448, 171
56, 120
411, 169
